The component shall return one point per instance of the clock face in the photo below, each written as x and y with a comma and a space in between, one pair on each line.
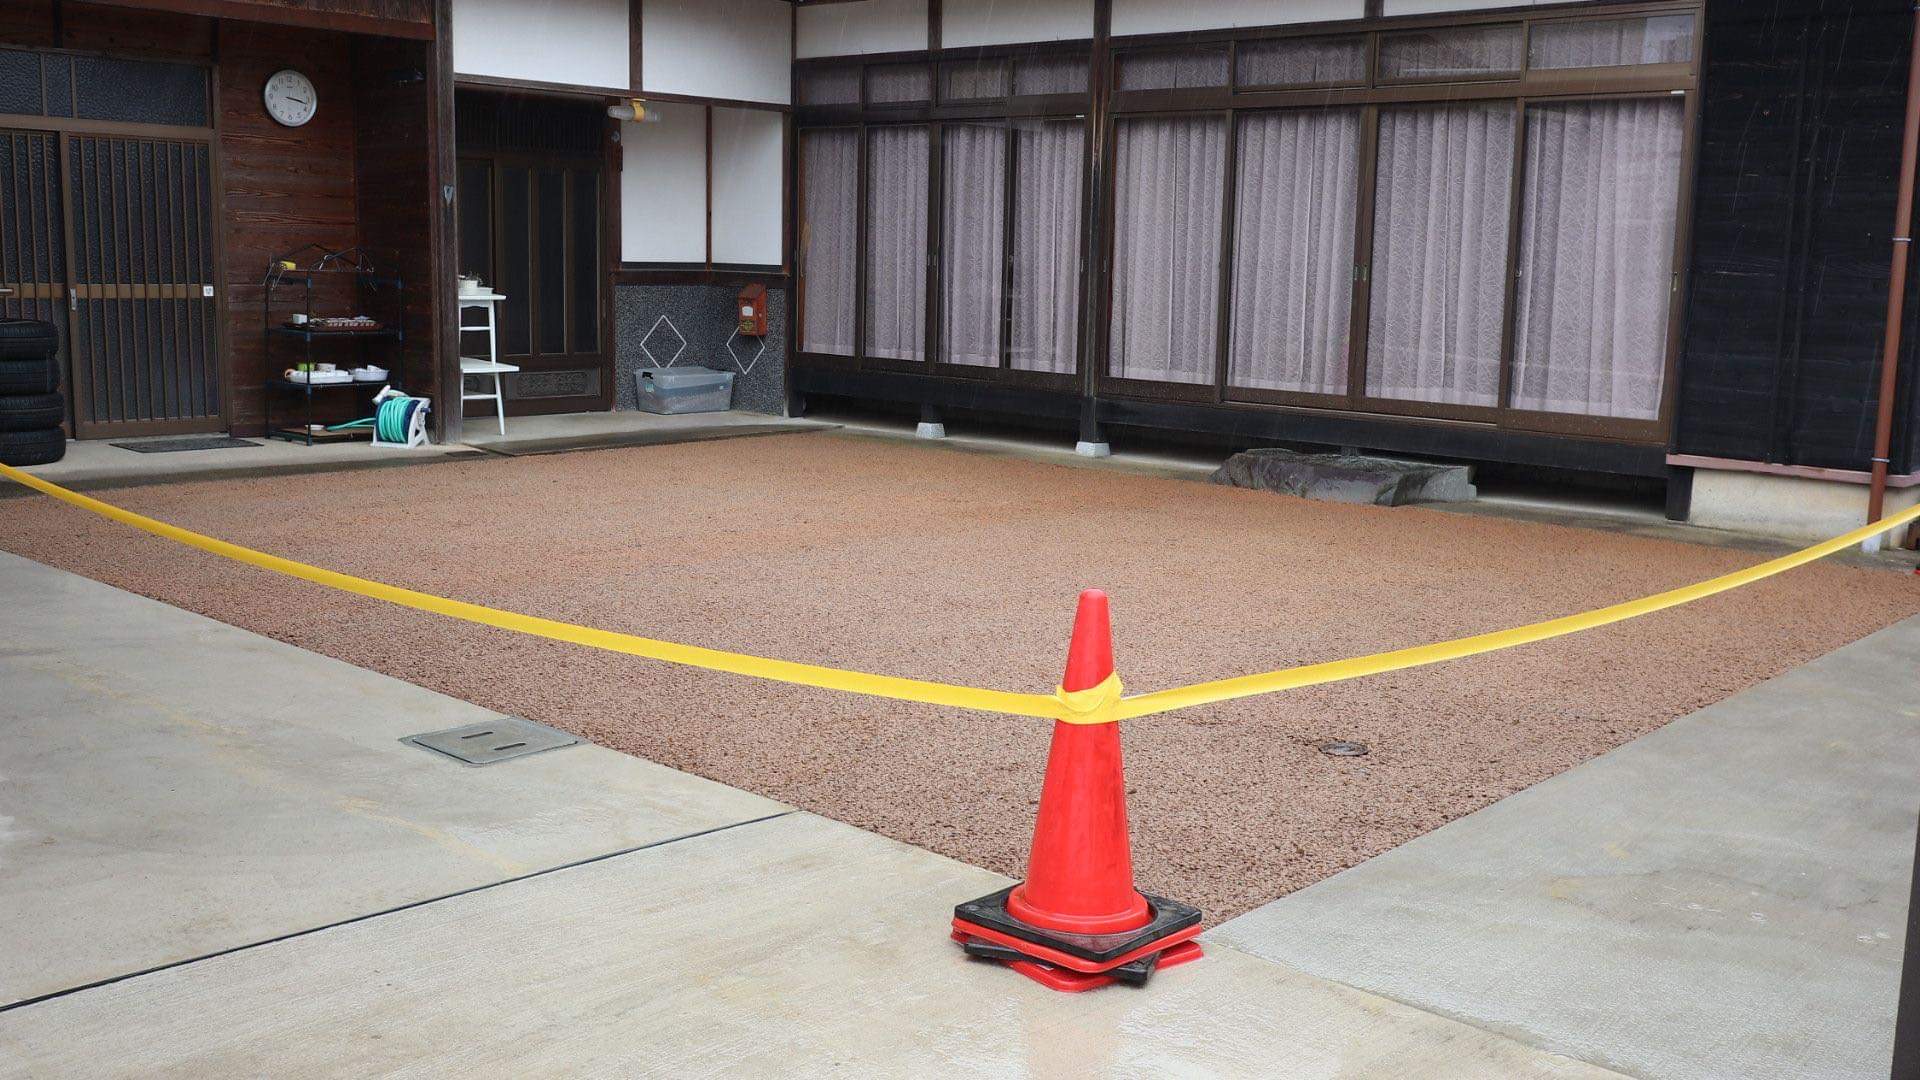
290, 98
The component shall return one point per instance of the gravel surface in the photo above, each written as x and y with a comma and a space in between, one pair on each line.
943, 564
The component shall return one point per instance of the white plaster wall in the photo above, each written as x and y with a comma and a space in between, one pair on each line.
663, 186
574, 42
749, 158
737, 49
869, 26
1796, 507
1161, 17
1010, 22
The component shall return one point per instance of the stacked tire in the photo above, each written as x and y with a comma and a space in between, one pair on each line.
31, 405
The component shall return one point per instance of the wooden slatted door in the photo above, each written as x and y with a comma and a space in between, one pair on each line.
532, 229
33, 250
145, 339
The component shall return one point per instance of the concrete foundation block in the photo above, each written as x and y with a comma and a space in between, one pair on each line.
1347, 478
1093, 449
1790, 507
930, 431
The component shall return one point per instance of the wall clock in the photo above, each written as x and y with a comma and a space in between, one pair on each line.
290, 98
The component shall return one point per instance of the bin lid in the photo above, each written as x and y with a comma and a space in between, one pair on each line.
685, 378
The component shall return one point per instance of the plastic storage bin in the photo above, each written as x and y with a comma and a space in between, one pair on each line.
683, 389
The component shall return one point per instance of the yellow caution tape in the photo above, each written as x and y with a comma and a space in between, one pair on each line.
1094, 705
1045, 706
1101, 704
1186, 697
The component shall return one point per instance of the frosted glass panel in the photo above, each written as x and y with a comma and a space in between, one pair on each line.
1471, 52
1302, 62
1170, 70
1656, 39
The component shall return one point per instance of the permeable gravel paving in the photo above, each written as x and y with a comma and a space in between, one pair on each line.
937, 563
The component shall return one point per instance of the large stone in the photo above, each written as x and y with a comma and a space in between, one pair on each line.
1346, 478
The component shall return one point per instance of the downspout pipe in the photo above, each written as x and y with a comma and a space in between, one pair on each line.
1896, 290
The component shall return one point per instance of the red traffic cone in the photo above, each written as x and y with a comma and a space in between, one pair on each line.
1078, 915
1080, 870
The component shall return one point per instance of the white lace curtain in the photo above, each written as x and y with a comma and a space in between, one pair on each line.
1296, 199
1046, 245
1168, 197
1440, 253
1599, 195
829, 180
897, 242
1598, 205
974, 159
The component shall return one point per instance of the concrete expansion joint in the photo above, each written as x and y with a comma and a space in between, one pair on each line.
575, 864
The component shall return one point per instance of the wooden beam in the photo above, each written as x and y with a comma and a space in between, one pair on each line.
709, 188
280, 12
444, 341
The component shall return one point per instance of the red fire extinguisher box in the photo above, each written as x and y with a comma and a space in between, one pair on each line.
753, 311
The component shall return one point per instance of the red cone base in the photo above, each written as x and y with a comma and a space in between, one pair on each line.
1077, 922
991, 920
1068, 981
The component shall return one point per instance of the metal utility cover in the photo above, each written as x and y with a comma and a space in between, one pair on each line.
493, 741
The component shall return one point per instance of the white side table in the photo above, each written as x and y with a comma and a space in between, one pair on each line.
489, 304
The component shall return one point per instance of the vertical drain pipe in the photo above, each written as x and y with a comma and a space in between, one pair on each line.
1896, 290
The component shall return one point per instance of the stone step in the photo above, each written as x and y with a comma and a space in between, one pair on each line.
1347, 478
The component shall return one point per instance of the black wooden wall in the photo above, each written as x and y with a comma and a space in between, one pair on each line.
1798, 159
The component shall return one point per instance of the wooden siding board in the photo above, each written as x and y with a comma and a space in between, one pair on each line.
394, 181
133, 32
282, 187
1793, 204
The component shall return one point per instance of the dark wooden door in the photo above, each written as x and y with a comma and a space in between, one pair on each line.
144, 319
531, 227
33, 247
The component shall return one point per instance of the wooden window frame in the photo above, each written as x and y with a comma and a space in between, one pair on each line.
935, 115
1527, 86
1107, 107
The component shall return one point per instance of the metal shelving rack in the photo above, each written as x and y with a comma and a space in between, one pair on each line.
287, 271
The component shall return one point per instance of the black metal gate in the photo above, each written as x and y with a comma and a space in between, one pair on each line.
110, 239
33, 250
144, 320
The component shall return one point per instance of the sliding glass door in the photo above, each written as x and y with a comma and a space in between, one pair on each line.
1168, 203
1595, 272
1376, 225
1049, 162
896, 248
942, 214
1296, 199
829, 235
1441, 204
973, 217
1010, 247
